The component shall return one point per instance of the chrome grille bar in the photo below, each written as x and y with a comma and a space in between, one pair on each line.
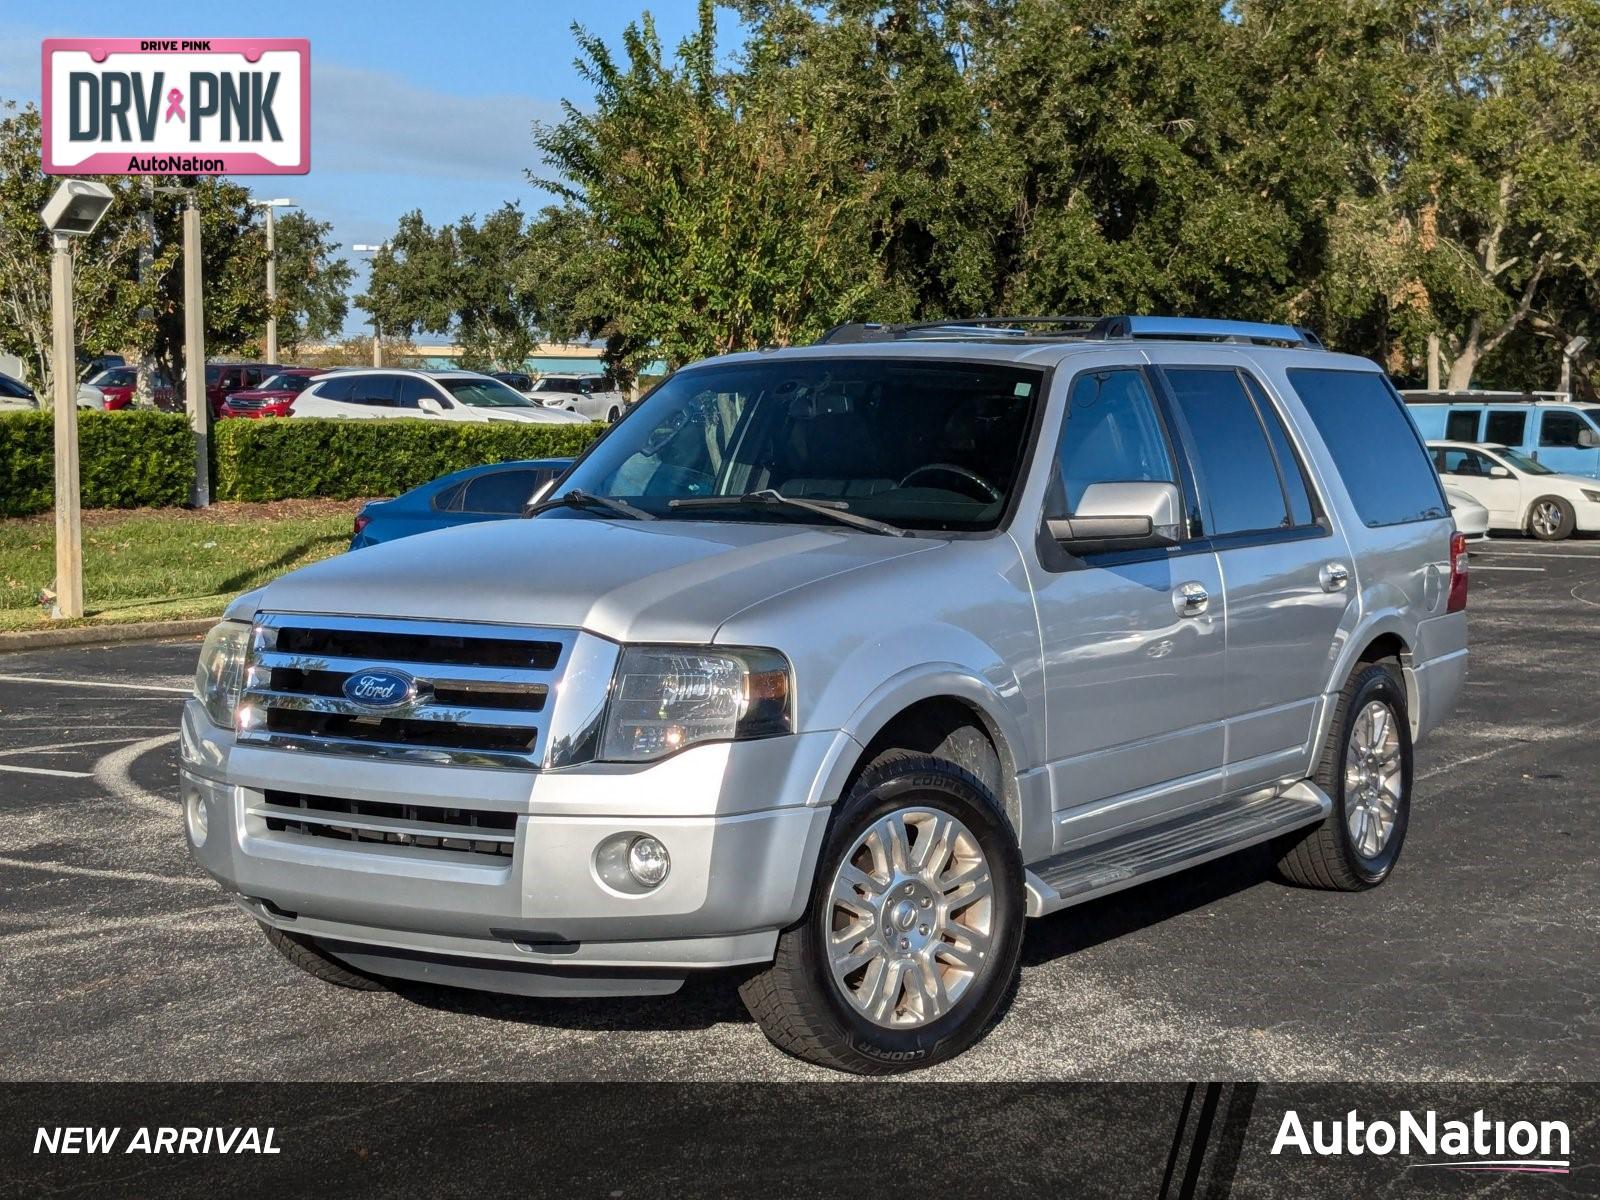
480, 694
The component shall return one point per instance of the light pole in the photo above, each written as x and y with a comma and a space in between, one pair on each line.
272, 272
73, 212
377, 334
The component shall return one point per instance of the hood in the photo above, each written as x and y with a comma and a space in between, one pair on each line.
533, 414
669, 580
263, 394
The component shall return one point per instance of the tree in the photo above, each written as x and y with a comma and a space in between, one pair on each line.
727, 207
313, 284
104, 305
464, 278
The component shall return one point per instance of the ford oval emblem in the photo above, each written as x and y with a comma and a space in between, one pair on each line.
380, 689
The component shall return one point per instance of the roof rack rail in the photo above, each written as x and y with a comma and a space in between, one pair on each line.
1065, 328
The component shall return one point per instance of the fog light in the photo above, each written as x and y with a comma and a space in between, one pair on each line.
648, 861
195, 815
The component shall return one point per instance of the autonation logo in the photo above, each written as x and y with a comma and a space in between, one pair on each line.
1481, 1144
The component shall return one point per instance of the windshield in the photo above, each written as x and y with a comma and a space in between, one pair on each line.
483, 393
1523, 463
115, 377
286, 383
918, 443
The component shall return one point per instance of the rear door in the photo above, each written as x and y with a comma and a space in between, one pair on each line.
1286, 568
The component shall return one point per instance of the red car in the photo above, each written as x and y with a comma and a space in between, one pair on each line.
224, 379
275, 396
118, 384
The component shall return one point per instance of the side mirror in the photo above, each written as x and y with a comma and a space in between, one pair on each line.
1130, 514
1588, 439
430, 406
1499, 473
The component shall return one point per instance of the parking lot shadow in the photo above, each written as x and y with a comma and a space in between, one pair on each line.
705, 1001
1086, 925
712, 999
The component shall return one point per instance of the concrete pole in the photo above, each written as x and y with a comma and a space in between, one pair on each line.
377, 344
1433, 362
69, 528
194, 357
144, 395
272, 290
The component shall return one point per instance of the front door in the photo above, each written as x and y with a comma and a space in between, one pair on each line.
1471, 472
1133, 640
1561, 445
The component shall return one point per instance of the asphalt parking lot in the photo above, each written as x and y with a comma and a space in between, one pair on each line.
119, 960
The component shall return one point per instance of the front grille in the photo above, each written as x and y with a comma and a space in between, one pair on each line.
248, 401
479, 693
362, 823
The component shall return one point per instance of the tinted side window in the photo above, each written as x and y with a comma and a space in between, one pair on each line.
1559, 429
449, 500
1239, 480
1462, 425
1465, 462
499, 492
1372, 442
335, 389
1112, 434
1295, 487
380, 391
412, 390
1505, 428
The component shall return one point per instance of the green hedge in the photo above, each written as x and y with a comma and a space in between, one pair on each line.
125, 460
273, 459
146, 459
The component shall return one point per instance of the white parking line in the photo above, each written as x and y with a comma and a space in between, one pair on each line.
94, 683
47, 771
101, 872
1484, 567
1534, 554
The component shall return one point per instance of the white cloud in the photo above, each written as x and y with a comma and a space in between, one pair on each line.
377, 121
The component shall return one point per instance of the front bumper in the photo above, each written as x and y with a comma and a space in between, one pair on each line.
743, 823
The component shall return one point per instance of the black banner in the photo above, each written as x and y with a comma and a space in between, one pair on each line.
620, 1141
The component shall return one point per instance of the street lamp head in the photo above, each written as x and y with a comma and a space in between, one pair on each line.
77, 207
280, 202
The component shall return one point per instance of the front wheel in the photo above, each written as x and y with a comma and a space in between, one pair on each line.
910, 944
1552, 519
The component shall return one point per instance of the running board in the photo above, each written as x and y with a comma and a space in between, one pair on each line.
1099, 868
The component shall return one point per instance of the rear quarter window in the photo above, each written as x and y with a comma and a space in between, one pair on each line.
1373, 444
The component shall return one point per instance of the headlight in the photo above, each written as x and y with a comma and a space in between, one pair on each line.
1592, 497
219, 677
665, 698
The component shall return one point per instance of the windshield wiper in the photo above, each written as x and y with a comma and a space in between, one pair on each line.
833, 509
588, 500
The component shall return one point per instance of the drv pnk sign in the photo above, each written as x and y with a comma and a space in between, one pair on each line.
159, 106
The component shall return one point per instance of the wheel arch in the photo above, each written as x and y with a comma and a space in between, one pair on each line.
937, 696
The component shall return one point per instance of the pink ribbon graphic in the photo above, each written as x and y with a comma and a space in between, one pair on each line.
175, 105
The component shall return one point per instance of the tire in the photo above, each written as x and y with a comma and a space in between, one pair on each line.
1552, 519
303, 953
946, 994
1351, 850
613, 415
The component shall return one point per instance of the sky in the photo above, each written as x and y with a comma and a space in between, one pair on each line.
413, 105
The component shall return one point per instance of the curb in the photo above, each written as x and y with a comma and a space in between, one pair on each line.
102, 635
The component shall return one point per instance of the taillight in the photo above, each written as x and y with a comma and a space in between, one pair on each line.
362, 521
1458, 573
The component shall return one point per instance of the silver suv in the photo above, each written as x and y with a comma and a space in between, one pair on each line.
832, 664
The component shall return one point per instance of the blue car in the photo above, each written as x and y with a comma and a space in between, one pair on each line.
488, 493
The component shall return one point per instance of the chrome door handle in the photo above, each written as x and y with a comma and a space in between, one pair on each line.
1334, 576
1190, 599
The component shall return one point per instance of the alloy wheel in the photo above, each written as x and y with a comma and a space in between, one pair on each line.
911, 918
1373, 778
